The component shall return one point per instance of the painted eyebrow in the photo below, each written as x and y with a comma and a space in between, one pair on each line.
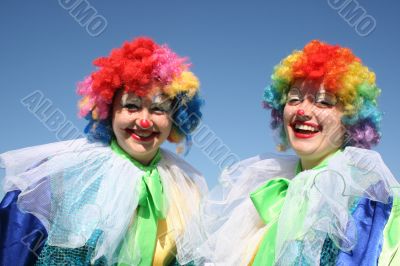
129, 98
165, 106
157, 100
328, 97
160, 98
294, 92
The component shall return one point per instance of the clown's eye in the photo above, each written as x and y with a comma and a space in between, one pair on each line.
294, 96
131, 102
324, 104
325, 99
131, 106
158, 110
293, 100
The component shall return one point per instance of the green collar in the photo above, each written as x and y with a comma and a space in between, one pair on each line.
141, 238
153, 164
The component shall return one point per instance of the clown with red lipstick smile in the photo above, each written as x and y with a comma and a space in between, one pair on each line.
312, 121
335, 202
141, 124
114, 197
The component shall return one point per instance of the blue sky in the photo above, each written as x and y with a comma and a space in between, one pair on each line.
233, 46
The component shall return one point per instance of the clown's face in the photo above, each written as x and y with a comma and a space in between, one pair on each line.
312, 121
141, 124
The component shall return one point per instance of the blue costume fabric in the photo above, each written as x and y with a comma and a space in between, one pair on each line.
370, 218
22, 235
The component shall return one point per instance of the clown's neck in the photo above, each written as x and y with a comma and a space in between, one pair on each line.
306, 163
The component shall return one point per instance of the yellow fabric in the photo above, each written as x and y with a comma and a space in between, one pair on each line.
165, 250
165, 245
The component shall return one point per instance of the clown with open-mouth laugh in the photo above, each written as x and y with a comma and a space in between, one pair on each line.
336, 202
115, 197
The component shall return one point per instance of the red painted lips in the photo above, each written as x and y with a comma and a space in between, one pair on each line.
142, 135
305, 130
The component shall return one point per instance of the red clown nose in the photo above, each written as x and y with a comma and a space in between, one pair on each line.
144, 123
300, 112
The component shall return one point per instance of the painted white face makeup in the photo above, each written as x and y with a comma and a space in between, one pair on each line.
141, 124
312, 121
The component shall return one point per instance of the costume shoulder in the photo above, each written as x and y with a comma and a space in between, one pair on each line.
172, 160
368, 164
173, 163
82, 178
371, 166
247, 175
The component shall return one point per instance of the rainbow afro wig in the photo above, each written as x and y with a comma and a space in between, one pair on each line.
138, 67
341, 73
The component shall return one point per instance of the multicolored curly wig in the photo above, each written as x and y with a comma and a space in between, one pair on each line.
341, 73
140, 66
